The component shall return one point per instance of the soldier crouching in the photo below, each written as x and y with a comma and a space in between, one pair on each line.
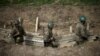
17, 32
50, 40
81, 30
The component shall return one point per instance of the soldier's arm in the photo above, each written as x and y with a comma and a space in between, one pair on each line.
13, 32
17, 32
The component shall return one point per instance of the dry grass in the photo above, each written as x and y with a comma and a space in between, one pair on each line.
59, 14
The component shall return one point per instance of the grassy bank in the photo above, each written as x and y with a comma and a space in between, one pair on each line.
42, 2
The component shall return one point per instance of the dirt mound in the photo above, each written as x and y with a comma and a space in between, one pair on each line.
87, 49
59, 14
3, 43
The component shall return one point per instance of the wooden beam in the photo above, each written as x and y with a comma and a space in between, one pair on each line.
37, 24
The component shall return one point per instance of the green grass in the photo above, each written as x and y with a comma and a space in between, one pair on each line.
36, 2
4, 2
42, 2
80, 2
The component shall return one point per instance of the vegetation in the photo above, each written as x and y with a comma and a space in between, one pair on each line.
42, 2
80, 2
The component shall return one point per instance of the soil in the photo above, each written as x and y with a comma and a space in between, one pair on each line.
59, 14
87, 49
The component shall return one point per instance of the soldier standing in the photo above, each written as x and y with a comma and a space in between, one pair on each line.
81, 29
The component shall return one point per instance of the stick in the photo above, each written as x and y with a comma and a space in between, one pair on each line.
37, 24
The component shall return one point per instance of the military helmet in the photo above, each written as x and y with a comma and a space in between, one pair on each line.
50, 24
82, 18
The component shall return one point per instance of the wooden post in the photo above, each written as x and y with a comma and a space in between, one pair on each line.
70, 29
4, 26
70, 25
20, 21
37, 24
88, 27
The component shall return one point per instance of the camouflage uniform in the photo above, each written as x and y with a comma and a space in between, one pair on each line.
81, 31
48, 41
17, 32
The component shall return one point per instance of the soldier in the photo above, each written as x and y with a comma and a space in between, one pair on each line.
81, 29
17, 32
49, 40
